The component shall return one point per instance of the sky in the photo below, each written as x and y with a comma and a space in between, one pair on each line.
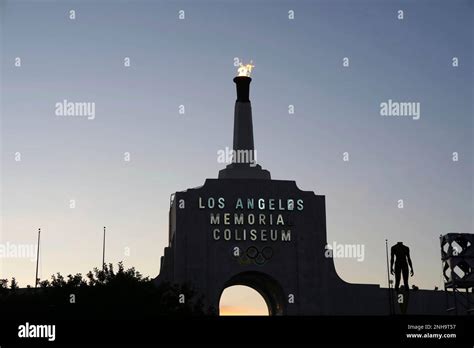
190, 62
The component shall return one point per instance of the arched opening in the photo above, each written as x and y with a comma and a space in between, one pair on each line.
242, 300
267, 287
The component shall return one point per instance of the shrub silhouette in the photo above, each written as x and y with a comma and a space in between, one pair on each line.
103, 293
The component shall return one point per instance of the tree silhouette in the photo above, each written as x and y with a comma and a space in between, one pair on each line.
14, 284
103, 293
3, 286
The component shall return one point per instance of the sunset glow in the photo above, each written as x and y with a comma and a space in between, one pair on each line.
242, 300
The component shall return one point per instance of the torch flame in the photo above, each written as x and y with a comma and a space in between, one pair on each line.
245, 70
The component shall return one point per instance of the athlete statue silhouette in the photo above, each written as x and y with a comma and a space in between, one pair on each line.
402, 260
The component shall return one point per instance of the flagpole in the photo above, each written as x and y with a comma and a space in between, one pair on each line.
390, 303
103, 251
37, 257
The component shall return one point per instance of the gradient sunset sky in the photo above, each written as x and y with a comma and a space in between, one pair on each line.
190, 62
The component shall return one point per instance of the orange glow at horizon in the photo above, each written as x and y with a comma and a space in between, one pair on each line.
242, 300
241, 310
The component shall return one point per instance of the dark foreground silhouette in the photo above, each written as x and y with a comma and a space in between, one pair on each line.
103, 294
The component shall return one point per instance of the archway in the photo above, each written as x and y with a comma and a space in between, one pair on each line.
242, 300
266, 286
